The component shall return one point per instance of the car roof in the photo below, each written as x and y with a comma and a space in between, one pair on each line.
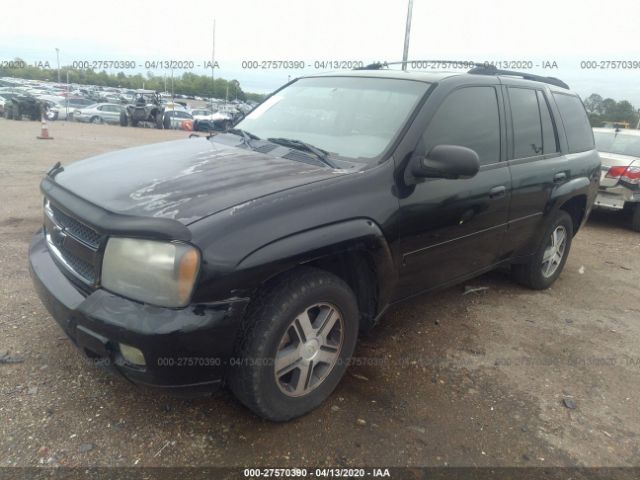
623, 131
421, 76
439, 76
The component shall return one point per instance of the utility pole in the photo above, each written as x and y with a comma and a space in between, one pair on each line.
407, 34
213, 60
58, 60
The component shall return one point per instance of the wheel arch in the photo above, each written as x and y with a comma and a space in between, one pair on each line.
576, 207
355, 251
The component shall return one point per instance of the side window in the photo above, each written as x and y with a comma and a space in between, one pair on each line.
468, 117
527, 129
549, 137
575, 121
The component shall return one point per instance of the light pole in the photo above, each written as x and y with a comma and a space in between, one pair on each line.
58, 60
407, 34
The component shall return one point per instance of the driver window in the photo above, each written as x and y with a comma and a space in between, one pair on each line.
468, 117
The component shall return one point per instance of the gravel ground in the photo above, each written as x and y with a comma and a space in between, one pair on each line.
501, 377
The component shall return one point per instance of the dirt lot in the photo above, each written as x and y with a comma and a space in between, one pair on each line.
480, 379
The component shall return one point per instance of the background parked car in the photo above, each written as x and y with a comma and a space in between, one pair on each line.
620, 178
207, 120
99, 113
176, 117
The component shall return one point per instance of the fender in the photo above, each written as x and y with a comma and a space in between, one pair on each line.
569, 189
354, 235
560, 195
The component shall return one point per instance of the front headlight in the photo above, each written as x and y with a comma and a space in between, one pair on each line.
159, 273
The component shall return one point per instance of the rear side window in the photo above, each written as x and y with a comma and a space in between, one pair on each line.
468, 117
549, 137
527, 128
575, 121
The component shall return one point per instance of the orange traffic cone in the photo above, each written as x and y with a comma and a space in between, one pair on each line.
44, 131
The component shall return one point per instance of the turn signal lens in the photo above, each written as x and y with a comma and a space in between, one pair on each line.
187, 272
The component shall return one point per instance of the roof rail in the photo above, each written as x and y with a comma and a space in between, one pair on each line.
478, 69
488, 69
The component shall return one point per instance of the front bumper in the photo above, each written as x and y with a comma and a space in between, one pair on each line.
187, 350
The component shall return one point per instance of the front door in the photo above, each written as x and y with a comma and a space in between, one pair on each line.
452, 228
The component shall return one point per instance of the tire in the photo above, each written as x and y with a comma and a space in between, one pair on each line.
97, 120
274, 325
635, 218
537, 273
166, 122
123, 119
159, 120
17, 114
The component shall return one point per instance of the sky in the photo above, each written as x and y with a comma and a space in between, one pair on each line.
565, 32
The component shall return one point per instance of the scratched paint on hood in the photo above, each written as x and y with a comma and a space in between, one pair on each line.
185, 179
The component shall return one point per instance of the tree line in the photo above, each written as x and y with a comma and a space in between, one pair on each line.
609, 110
186, 84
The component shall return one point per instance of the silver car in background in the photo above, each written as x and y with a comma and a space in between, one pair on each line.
620, 177
99, 113
177, 117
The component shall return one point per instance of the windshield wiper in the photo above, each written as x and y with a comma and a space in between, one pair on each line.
246, 136
321, 154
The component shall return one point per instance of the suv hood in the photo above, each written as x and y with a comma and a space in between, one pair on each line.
184, 180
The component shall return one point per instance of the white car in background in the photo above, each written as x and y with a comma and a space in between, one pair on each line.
620, 176
206, 114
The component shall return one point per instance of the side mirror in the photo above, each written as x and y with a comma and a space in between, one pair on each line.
447, 161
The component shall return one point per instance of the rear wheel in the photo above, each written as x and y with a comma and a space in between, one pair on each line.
158, 120
635, 218
166, 122
123, 119
298, 338
545, 265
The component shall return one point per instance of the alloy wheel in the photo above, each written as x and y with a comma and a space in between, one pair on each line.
553, 254
309, 349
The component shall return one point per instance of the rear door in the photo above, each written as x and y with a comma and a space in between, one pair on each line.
535, 160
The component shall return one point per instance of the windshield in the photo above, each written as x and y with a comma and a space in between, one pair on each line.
619, 143
352, 117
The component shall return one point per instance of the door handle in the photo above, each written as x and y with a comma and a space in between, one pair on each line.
497, 192
559, 177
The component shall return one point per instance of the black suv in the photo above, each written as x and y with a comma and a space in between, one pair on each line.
253, 258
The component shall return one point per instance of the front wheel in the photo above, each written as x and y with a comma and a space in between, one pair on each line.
545, 265
123, 119
299, 336
96, 120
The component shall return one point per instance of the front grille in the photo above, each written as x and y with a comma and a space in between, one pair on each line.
84, 269
74, 245
77, 229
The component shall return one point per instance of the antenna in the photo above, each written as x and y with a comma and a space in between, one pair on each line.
407, 35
